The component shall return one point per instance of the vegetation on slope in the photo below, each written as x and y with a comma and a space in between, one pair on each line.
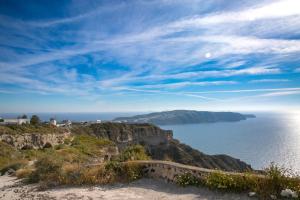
29, 128
72, 163
51, 169
275, 180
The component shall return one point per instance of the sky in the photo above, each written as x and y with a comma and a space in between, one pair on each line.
155, 55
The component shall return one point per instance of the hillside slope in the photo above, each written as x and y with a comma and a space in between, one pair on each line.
160, 145
184, 117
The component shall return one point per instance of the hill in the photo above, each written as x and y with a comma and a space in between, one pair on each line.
185, 117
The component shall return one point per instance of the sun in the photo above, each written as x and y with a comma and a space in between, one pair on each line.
207, 55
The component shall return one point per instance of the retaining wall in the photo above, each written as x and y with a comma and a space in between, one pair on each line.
169, 170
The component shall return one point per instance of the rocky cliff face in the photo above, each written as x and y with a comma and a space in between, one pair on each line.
182, 153
160, 145
127, 134
34, 140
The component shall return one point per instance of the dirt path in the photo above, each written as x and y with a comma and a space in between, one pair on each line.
144, 189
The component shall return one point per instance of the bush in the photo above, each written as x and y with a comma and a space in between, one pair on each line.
132, 171
24, 172
277, 179
13, 165
123, 172
236, 183
90, 145
135, 152
187, 179
47, 169
8, 155
35, 120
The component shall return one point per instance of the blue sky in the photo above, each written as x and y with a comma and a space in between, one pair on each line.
111, 56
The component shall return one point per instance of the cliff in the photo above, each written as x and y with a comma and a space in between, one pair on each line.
160, 145
126, 134
33, 140
185, 117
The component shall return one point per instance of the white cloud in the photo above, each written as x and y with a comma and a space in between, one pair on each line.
191, 75
269, 80
248, 90
283, 93
234, 64
277, 9
188, 83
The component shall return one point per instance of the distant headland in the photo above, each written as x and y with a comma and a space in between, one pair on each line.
185, 117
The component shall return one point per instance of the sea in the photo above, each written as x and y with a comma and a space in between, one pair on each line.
270, 137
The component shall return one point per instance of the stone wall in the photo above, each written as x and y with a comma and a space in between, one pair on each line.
169, 170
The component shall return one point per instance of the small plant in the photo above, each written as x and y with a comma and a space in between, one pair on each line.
236, 183
47, 169
13, 166
133, 171
24, 172
277, 179
135, 152
187, 179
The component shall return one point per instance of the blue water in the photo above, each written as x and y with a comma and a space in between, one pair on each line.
271, 137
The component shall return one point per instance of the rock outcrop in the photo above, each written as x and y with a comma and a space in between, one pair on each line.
34, 140
127, 134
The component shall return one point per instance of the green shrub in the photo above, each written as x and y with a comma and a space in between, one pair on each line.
133, 171
13, 165
24, 172
67, 141
187, 179
8, 156
277, 179
47, 169
123, 172
135, 152
90, 145
236, 183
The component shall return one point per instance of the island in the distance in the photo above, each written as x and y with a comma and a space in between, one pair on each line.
185, 117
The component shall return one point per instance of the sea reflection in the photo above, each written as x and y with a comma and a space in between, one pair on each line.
271, 137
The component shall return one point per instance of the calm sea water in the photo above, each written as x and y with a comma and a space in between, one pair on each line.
271, 137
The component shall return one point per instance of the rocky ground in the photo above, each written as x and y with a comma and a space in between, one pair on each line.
13, 189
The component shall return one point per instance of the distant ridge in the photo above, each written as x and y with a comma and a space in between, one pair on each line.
185, 117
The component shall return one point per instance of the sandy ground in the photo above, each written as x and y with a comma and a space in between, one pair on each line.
13, 189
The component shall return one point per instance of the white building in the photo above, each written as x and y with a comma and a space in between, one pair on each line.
16, 121
53, 122
98, 121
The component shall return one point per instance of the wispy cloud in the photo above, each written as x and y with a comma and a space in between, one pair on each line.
283, 93
113, 49
283, 8
186, 83
249, 90
269, 80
